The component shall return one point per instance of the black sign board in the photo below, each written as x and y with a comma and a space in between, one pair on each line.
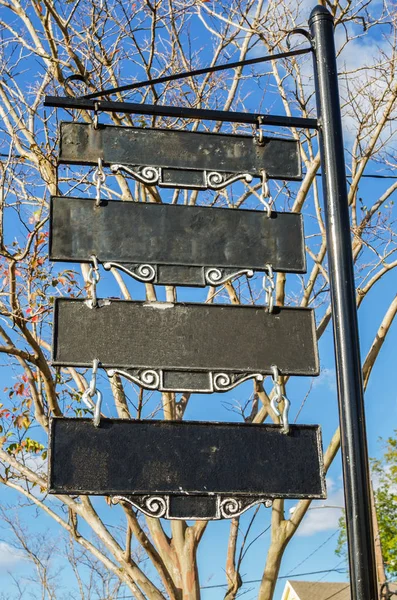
175, 244
185, 469
185, 159
185, 347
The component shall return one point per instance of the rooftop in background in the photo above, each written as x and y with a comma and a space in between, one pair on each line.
315, 590
319, 590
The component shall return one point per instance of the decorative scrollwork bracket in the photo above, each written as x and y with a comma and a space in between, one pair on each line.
148, 378
217, 181
220, 507
144, 273
150, 175
214, 276
156, 379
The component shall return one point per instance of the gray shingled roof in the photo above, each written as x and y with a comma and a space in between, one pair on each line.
320, 590
316, 590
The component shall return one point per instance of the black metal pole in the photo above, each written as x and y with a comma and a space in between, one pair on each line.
344, 314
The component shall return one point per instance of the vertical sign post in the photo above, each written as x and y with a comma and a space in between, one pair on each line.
344, 314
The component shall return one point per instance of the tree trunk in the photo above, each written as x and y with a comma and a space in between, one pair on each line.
186, 547
273, 562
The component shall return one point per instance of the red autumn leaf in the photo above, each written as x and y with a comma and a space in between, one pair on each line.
19, 389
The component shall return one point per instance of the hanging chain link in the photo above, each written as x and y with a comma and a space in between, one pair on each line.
93, 278
259, 137
278, 397
99, 179
258, 132
269, 286
266, 197
90, 392
95, 121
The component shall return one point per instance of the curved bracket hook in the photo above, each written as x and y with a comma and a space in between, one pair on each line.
298, 31
74, 77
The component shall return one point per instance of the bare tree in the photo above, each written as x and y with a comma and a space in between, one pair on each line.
49, 555
109, 43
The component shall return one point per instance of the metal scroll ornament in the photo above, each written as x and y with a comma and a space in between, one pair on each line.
218, 181
216, 277
146, 175
234, 507
150, 175
144, 273
152, 379
160, 506
153, 506
223, 382
149, 273
148, 378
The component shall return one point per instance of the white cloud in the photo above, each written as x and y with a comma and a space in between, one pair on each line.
327, 378
9, 557
323, 515
36, 463
376, 483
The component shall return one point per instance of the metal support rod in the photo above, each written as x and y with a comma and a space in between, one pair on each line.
344, 313
213, 69
180, 112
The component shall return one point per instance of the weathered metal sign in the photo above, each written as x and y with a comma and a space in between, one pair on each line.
185, 469
175, 244
183, 159
185, 347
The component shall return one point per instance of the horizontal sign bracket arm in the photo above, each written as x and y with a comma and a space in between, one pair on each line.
181, 112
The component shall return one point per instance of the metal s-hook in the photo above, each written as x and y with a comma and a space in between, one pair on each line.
279, 397
269, 286
93, 278
258, 132
265, 196
90, 392
95, 119
99, 179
